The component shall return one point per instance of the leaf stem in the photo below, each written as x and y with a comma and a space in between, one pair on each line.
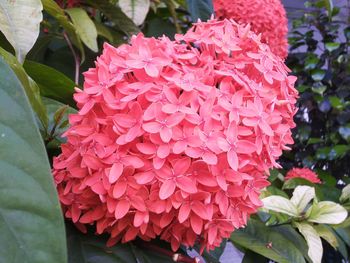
76, 58
172, 10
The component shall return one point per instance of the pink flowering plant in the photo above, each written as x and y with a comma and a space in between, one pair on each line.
131, 131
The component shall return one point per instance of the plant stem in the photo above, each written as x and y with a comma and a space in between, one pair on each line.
76, 58
171, 7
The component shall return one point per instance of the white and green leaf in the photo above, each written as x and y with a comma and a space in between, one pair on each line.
313, 240
345, 193
326, 212
20, 23
302, 196
280, 204
136, 10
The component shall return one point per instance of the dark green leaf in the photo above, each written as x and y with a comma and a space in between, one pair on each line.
31, 223
30, 87
294, 182
53, 9
318, 74
200, 9
252, 257
89, 248
116, 15
53, 84
267, 242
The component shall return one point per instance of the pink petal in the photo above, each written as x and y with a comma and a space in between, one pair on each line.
244, 146
122, 209
196, 224
166, 134
200, 209
115, 172
146, 148
175, 119
186, 184
144, 177
119, 189
184, 212
163, 151
138, 203
210, 158
152, 127
232, 159
182, 165
167, 189
179, 147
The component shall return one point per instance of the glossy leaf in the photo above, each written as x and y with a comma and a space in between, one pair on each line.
267, 242
294, 182
136, 10
327, 234
29, 85
31, 223
315, 250
20, 23
302, 196
89, 248
116, 15
200, 9
326, 212
280, 204
52, 83
84, 26
52, 8
345, 193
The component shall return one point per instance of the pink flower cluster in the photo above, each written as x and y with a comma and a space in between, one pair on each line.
304, 173
267, 17
175, 138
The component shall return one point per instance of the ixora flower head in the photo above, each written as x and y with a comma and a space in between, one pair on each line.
304, 173
175, 138
267, 17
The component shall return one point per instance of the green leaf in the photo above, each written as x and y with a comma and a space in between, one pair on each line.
53, 84
104, 31
20, 23
302, 196
326, 212
294, 182
313, 240
331, 46
293, 236
31, 223
345, 193
89, 248
116, 15
58, 117
30, 87
280, 204
252, 257
265, 241
200, 9
136, 10
329, 6
318, 74
327, 234
53, 9
84, 26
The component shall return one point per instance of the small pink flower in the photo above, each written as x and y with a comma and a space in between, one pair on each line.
304, 173
267, 17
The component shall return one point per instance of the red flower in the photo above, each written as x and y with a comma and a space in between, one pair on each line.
304, 173
175, 138
267, 17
